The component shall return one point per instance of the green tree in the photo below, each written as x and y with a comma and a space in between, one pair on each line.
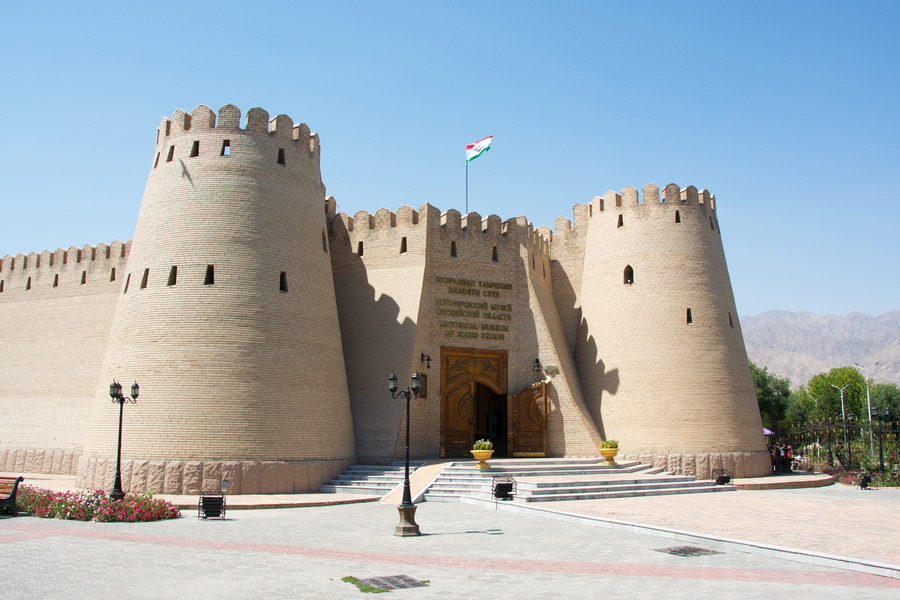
829, 398
772, 393
886, 395
801, 408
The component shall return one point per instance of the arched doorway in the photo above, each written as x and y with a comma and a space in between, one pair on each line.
473, 400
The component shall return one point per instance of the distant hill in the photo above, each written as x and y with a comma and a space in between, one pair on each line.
797, 345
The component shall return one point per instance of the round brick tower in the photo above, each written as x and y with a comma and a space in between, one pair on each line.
226, 318
659, 347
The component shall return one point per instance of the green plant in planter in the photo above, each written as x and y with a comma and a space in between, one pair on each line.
483, 445
609, 444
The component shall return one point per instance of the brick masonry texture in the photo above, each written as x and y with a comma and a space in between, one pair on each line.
274, 374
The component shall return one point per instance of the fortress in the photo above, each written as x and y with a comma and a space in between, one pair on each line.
262, 327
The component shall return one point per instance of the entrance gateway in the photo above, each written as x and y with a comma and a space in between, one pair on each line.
475, 404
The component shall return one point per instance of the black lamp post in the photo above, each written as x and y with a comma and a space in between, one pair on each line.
115, 392
407, 525
881, 417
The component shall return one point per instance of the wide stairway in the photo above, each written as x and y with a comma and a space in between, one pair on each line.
547, 480
370, 480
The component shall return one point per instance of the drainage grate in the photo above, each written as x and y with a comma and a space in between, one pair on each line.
393, 582
688, 551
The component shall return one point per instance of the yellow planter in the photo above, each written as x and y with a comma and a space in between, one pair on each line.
609, 454
482, 456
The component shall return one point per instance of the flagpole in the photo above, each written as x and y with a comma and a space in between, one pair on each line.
467, 187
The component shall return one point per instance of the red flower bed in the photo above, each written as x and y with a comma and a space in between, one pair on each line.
93, 506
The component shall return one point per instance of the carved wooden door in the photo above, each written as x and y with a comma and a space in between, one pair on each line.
528, 421
461, 369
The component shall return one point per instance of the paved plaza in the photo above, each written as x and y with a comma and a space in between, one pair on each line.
467, 550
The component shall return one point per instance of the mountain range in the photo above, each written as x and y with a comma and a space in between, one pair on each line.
798, 345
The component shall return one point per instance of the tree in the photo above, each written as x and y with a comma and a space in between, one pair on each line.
886, 395
772, 394
829, 398
801, 407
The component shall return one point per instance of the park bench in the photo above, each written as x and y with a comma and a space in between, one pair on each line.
8, 488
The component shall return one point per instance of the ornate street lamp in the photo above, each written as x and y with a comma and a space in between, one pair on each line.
407, 525
115, 392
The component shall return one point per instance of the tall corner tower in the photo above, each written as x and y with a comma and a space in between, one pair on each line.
659, 347
227, 318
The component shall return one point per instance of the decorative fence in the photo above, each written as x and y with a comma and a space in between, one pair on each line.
850, 444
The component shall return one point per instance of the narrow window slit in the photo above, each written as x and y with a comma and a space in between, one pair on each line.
28, 284
156, 162
210, 278
678, 216
494, 257
281, 156
359, 249
56, 280
403, 245
195, 149
452, 249
730, 322
690, 317
171, 154
621, 221
145, 278
173, 275
226, 148
324, 242
629, 275
127, 281
711, 226
1, 286
112, 274
282, 283
83, 277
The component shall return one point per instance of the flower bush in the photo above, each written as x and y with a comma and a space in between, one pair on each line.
609, 444
93, 506
483, 445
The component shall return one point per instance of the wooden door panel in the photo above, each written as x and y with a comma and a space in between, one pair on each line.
528, 421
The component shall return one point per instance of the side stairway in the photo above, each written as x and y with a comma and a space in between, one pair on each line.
370, 480
556, 480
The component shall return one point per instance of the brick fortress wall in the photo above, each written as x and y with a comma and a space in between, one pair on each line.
57, 310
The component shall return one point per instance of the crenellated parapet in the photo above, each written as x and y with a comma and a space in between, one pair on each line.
651, 197
202, 133
64, 268
383, 239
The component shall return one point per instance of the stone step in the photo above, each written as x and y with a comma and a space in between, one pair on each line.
711, 487
576, 480
371, 480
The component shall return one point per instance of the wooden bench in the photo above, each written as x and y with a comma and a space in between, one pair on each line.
8, 488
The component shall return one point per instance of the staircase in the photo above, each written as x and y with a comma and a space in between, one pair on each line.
550, 480
369, 480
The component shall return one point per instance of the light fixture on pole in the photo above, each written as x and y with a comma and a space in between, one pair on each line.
115, 392
843, 416
868, 403
407, 525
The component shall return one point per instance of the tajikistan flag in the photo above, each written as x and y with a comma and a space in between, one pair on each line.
475, 150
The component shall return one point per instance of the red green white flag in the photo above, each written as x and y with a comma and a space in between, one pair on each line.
475, 150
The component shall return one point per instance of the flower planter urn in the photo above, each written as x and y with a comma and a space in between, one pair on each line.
610, 455
482, 456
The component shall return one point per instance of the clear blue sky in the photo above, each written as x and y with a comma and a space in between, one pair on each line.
789, 112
